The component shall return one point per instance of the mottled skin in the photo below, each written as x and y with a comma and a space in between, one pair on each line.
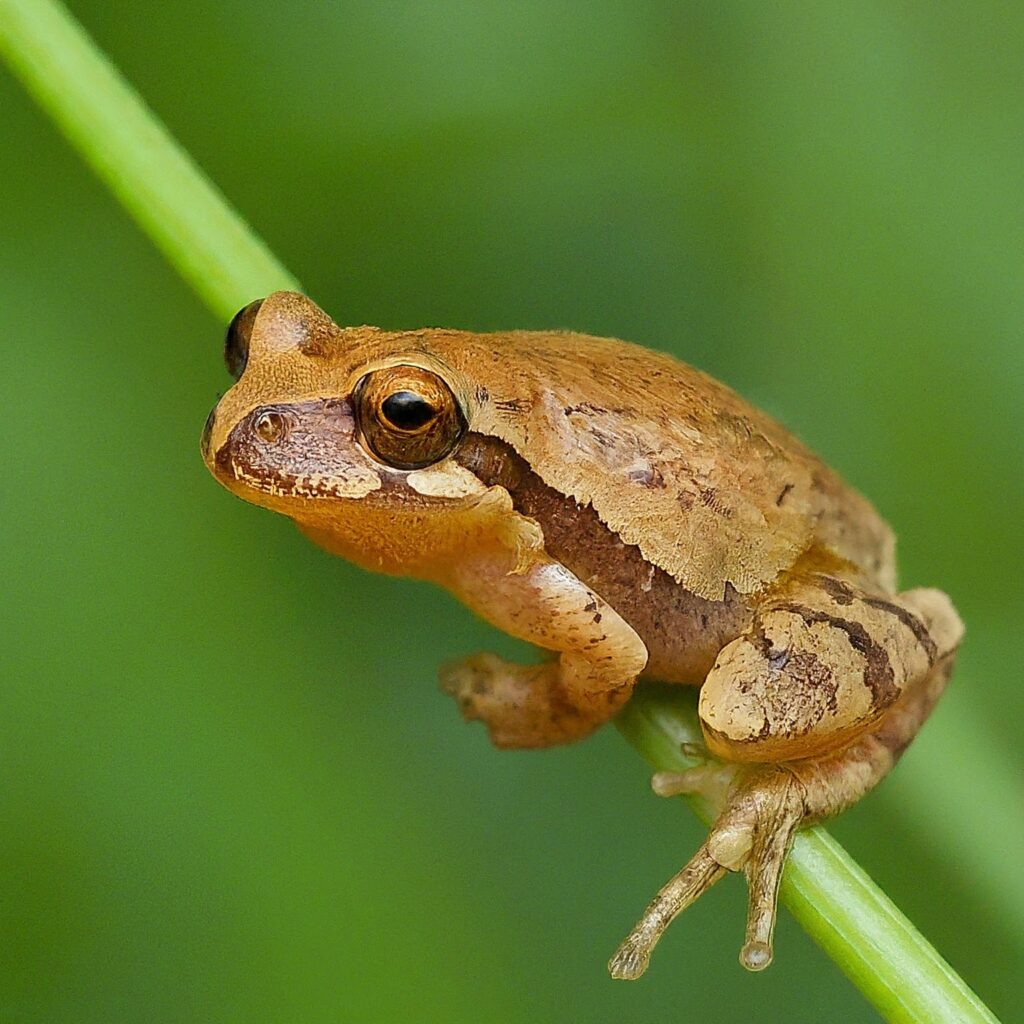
627, 513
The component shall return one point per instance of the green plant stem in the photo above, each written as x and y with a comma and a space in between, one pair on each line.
227, 265
159, 184
838, 905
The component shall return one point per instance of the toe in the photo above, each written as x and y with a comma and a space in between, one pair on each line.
630, 961
756, 956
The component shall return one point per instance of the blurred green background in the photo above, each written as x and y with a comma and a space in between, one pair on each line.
230, 789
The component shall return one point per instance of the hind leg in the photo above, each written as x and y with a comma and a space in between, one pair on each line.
774, 706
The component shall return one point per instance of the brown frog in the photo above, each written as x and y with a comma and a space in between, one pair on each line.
629, 514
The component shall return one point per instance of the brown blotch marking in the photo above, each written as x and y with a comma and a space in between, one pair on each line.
709, 497
782, 494
843, 593
588, 407
811, 691
840, 592
592, 409
814, 694
815, 676
507, 404
878, 674
911, 621
809, 674
760, 638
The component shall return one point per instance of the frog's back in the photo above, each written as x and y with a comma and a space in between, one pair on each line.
709, 488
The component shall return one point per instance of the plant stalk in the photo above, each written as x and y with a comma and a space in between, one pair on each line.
159, 184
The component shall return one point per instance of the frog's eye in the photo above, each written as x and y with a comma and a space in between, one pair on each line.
408, 416
236, 344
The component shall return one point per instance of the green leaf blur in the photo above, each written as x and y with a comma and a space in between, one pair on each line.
231, 790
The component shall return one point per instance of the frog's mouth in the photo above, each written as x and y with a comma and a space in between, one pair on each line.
293, 453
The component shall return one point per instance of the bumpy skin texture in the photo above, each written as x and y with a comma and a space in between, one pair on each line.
627, 513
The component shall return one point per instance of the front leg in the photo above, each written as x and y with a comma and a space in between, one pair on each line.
599, 654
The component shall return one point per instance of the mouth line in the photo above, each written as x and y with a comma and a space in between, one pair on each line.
284, 485
337, 485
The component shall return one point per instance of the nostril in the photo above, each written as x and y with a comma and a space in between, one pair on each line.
204, 443
271, 426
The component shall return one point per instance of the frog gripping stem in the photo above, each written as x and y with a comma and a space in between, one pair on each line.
773, 834
762, 810
753, 833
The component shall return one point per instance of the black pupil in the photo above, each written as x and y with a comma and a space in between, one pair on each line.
407, 411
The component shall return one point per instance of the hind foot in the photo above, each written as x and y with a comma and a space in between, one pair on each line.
753, 832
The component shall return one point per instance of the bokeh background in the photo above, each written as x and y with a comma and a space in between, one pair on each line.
230, 789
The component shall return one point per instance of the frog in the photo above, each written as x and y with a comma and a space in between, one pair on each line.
632, 517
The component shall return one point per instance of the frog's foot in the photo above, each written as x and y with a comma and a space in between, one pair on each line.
488, 689
525, 705
753, 832
711, 780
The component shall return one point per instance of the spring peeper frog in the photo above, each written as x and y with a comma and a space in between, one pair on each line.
627, 513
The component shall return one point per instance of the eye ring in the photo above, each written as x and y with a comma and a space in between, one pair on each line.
408, 417
236, 341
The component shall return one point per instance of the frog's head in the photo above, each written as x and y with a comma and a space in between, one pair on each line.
349, 431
